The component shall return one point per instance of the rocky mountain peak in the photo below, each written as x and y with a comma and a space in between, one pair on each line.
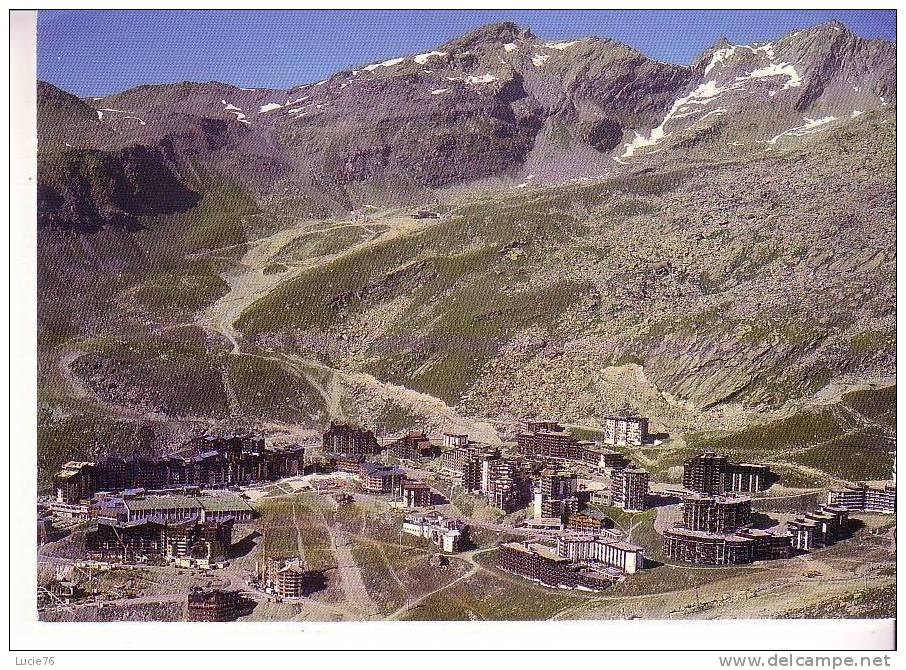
721, 42
492, 33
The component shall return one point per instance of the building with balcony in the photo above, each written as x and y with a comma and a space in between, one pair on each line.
862, 497
629, 489
625, 430
716, 514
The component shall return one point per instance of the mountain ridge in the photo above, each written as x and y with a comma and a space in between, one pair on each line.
500, 103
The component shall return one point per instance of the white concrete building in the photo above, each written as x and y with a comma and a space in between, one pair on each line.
625, 430
624, 556
455, 440
448, 534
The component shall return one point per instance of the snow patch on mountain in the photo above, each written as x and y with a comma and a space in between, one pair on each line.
776, 70
538, 59
482, 79
719, 110
719, 56
702, 95
509, 47
386, 63
810, 126
438, 91
421, 59
767, 47
269, 107
560, 46
100, 113
237, 111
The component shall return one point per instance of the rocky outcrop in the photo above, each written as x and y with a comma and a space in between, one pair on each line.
85, 190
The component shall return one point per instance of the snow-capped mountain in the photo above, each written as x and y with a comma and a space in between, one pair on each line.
497, 105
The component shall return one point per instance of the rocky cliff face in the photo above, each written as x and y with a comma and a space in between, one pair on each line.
99, 177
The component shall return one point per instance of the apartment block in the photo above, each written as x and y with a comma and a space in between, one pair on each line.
861, 497
547, 439
412, 446
830, 521
804, 533
716, 514
505, 483
739, 548
629, 489
347, 440
555, 496
713, 474
542, 564
380, 479
415, 494
748, 477
191, 543
601, 457
626, 557
588, 520
285, 576
625, 430
455, 440
214, 605
207, 462
705, 473
181, 508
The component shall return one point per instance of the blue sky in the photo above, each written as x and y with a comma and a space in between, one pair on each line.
101, 52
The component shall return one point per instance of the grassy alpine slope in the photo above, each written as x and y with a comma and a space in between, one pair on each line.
716, 297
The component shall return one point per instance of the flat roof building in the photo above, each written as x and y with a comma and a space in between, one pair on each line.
346, 440
506, 484
208, 462
547, 439
415, 494
625, 556
556, 494
455, 440
713, 474
412, 446
542, 564
803, 532
192, 542
705, 473
716, 514
625, 430
449, 534
739, 548
601, 457
214, 605
629, 489
860, 497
